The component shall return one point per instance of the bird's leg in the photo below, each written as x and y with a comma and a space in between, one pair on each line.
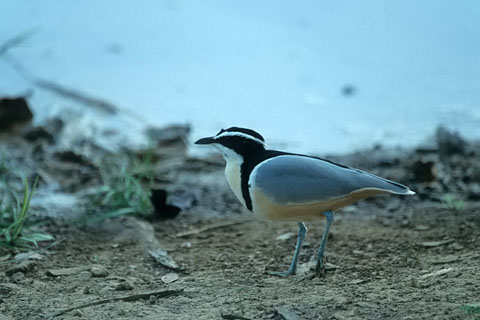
321, 250
302, 230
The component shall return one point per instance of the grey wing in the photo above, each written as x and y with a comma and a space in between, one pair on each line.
301, 179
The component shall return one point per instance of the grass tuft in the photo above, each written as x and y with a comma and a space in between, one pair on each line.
453, 203
125, 190
14, 232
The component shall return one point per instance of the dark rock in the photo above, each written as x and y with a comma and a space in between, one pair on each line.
450, 142
424, 171
38, 133
14, 112
169, 135
46, 132
124, 285
72, 157
163, 210
168, 205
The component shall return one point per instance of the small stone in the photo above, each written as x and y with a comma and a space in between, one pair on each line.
98, 271
87, 290
18, 277
29, 256
122, 286
23, 267
285, 236
424, 171
162, 257
170, 277
77, 313
152, 299
186, 244
66, 271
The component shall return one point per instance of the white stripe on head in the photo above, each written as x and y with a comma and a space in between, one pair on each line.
241, 134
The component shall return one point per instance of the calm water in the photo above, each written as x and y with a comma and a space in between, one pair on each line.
319, 76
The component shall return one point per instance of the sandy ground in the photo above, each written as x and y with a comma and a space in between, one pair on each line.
418, 261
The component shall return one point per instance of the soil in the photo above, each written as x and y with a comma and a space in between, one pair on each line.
387, 258
414, 261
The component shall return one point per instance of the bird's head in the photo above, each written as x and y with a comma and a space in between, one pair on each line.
236, 143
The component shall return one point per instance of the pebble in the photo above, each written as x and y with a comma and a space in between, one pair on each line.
122, 286
77, 313
186, 244
87, 290
170, 277
98, 271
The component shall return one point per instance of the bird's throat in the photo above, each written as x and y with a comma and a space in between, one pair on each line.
233, 173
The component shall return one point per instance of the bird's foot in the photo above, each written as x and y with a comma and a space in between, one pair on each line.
320, 269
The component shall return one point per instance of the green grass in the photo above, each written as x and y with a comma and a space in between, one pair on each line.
472, 309
453, 203
126, 188
14, 214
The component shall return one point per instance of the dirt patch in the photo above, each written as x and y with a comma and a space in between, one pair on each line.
421, 263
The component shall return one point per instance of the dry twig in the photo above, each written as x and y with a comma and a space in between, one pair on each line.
207, 228
135, 297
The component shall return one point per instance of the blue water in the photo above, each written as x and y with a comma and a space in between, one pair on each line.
275, 66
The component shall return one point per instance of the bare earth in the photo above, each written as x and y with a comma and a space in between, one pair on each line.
415, 261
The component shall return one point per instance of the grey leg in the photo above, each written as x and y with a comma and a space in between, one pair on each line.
302, 230
323, 244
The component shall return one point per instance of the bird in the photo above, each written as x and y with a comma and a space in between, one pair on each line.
283, 186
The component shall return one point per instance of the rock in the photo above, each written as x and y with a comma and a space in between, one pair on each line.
431, 244
23, 267
29, 256
18, 277
98, 271
158, 198
67, 271
285, 236
288, 313
72, 157
77, 313
424, 171
37, 134
168, 206
125, 285
162, 257
186, 245
450, 142
169, 278
169, 135
87, 290
14, 113
47, 131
